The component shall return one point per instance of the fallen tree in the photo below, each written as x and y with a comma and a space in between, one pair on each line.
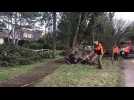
11, 55
81, 56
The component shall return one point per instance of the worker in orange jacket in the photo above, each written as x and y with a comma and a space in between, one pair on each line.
116, 52
99, 51
127, 50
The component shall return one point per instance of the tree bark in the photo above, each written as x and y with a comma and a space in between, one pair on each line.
54, 34
9, 34
14, 31
93, 38
76, 34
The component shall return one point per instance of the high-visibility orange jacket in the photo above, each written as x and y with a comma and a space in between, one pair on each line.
127, 49
116, 50
99, 49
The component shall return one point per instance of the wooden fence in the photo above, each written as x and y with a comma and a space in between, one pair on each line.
43, 51
40, 51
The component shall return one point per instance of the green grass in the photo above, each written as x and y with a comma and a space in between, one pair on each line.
10, 72
58, 53
83, 75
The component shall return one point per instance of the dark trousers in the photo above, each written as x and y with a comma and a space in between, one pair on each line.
116, 56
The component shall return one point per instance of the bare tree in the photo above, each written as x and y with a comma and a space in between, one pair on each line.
120, 28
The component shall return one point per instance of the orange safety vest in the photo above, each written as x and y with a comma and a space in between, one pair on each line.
116, 50
99, 49
127, 49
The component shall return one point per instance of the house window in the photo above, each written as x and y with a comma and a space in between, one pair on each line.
27, 35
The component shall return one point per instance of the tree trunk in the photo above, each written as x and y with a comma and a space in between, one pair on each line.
54, 34
76, 34
93, 36
45, 27
9, 34
13, 35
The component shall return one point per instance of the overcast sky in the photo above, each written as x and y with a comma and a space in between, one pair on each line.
128, 16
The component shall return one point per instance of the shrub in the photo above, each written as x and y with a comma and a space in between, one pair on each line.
33, 45
4, 64
62, 53
47, 46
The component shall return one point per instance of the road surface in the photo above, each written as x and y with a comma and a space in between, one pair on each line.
128, 70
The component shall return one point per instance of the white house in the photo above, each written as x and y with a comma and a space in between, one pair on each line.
22, 35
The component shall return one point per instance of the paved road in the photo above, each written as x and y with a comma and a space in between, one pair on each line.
128, 71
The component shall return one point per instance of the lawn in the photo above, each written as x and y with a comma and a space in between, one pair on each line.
10, 72
83, 76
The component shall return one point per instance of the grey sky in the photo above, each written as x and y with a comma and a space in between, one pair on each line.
128, 16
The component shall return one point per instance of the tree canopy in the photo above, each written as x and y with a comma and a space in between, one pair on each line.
68, 29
